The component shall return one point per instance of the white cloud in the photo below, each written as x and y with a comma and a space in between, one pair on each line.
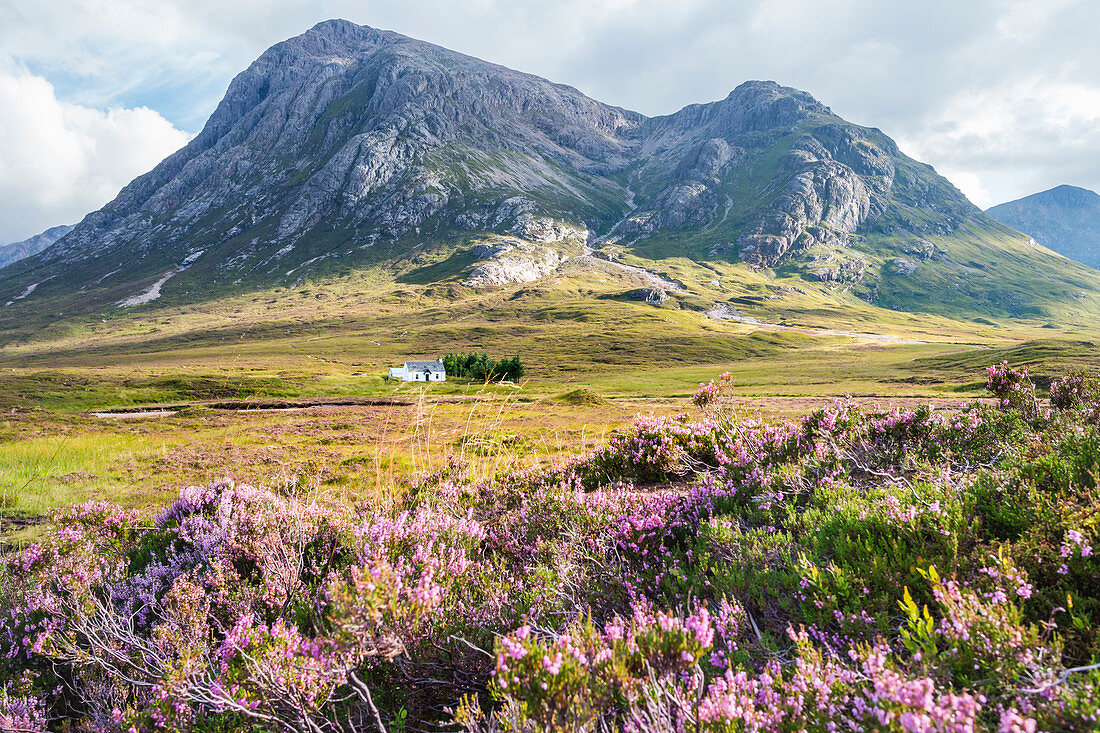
998, 94
1024, 19
971, 185
1014, 138
59, 160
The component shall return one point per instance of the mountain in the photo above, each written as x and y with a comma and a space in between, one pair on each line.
1066, 219
10, 253
349, 147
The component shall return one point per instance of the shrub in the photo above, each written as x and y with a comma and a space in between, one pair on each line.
1013, 387
860, 568
1077, 388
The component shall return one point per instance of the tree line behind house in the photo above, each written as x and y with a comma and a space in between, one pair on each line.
481, 366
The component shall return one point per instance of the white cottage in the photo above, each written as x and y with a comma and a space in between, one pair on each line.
420, 371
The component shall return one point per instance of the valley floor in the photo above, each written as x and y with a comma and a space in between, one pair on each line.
593, 359
347, 452
488, 562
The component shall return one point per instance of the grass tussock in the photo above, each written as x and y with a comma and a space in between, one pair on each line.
580, 397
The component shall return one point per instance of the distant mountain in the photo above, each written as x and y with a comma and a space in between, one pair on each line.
348, 146
10, 253
1066, 219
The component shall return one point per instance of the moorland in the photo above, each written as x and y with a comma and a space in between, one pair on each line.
804, 440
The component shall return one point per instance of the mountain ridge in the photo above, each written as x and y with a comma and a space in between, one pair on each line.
349, 145
10, 253
1064, 218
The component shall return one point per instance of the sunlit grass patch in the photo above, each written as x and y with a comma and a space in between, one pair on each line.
38, 473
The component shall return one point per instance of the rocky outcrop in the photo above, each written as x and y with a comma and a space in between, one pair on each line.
836, 266
902, 266
922, 250
823, 203
512, 260
546, 230
539, 245
654, 296
824, 200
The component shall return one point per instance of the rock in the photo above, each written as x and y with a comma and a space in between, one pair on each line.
920, 248
837, 267
902, 266
514, 261
823, 202
545, 229
656, 296
494, 249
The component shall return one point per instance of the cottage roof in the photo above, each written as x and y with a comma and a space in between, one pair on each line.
428, 366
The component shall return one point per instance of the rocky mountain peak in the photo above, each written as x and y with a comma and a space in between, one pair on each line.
347, 143
764, 105
752, 106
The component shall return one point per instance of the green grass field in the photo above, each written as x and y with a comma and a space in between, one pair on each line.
334, 340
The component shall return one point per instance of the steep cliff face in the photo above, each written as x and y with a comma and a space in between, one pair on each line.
349, 144
1066, 219
372, 133
785, 174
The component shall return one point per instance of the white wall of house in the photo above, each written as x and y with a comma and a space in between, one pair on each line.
418, 374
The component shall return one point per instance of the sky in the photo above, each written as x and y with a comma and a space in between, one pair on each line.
1001, 96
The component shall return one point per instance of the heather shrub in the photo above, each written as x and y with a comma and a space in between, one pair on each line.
1012, 387
1078, 388
20, 712
860, 568
566, 680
